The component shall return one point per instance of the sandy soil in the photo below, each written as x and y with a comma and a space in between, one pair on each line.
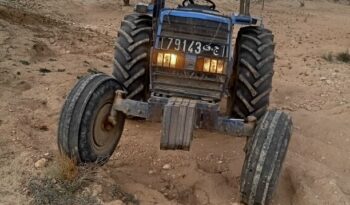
46, 45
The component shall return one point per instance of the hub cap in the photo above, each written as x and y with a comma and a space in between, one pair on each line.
104, 134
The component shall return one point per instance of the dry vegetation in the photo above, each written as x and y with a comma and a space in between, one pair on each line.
343, 57
63, 183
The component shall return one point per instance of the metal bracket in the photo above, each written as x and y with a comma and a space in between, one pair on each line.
130, 107
180, 116
236, 127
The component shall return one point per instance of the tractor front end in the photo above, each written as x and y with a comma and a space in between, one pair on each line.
175, 66
191, 55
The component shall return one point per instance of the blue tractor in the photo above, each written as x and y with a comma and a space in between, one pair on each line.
176, 65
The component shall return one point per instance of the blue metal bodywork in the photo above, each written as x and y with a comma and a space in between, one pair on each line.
207, 15
235, 18
195, 14
207, 28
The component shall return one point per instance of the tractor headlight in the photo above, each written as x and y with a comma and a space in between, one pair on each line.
168, 59
210, 65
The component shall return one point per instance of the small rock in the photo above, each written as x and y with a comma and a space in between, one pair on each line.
115, 202
167, 166
96, 189
44, 70
328, 82
24, 62
40, 163
150, 172
220, 162
201, 196
42, 127
86, 191
323, 78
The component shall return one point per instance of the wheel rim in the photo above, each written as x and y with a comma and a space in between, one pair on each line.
104, 134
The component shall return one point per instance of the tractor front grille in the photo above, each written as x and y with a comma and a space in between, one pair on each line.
187, 83
195, 29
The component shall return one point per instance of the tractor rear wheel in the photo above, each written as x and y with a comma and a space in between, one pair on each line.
131, 58
265, 154
84, 132
251, 82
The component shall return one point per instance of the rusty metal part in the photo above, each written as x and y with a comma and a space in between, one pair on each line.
180, 116
133, 108
235, 127
251, 119
103, 131
118, 98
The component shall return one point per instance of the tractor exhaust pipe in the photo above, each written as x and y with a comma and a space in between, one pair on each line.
244, 7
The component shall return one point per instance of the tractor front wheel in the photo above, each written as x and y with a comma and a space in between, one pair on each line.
84, 132
265, 154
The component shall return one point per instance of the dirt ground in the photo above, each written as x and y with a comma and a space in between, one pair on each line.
46, 45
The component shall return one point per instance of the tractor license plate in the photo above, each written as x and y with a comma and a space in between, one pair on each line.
192, 47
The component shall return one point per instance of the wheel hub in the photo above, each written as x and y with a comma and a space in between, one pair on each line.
104, 131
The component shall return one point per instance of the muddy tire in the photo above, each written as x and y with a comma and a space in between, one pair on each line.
252, 79
265, 154
131, 58
84, 133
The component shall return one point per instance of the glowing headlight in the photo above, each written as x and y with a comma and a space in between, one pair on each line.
167, 59
210, 65
160, 59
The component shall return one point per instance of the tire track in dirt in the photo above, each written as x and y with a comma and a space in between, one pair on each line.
66, 37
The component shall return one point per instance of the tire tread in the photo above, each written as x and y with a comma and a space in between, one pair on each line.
131, 58
251, 83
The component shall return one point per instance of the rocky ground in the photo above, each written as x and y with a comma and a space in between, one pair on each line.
46, 45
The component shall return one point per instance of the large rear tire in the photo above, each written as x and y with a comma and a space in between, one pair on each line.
131, 58
265, 154
84, 133
251, 82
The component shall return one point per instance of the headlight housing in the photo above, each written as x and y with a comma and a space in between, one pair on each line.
176, 60
210, 65
168, 59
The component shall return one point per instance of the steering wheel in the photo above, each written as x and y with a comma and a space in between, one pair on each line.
211, 5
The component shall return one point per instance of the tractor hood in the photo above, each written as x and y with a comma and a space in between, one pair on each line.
210, 29
206, 15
